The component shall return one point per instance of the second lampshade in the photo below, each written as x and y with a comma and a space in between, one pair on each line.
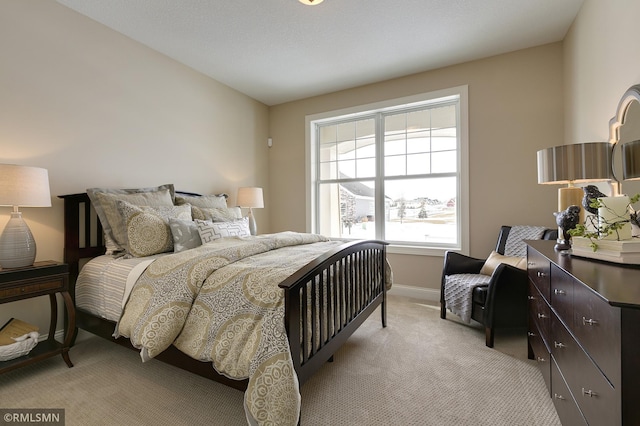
251, 197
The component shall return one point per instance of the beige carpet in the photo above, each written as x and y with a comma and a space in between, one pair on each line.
420, 370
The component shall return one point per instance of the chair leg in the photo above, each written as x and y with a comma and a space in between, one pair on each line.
489, 334
443, 311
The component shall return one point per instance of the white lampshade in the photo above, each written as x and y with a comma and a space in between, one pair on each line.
24, 186
250, 197
310, 2
21, 186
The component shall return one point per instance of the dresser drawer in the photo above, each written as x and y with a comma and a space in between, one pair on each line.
31, 288
540, 353
566, 406
538, 268
596, 326
562, 294
595, 397
539, 313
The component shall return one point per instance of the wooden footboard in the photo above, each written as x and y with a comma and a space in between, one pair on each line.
325, 301
328, 299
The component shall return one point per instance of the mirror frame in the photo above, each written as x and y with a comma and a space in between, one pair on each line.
632, 94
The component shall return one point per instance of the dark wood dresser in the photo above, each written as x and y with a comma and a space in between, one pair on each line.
584, 331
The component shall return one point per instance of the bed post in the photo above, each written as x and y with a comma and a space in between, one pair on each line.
83, 237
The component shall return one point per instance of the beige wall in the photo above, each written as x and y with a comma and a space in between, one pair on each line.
97, 109
515, 109
601, 63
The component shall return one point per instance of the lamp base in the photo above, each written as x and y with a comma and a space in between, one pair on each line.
562, 244
17, 246
253, 229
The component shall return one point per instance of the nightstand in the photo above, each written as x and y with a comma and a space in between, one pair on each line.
43, 278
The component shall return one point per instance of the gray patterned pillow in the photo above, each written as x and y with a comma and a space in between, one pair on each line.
185, 234
206, 201
227, 214
211, 231
147, 228
104, 202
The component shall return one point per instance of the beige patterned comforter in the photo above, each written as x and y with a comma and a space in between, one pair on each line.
221, 303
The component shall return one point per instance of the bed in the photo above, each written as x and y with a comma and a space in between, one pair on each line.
308, 293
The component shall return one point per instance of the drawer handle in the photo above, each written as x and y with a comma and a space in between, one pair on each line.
559, 292
589, 321
589, 393
558, 396
559, 344
541, 274
540, 359
531, 334
542, 316
531, 298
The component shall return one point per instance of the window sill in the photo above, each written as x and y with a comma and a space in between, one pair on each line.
417, 251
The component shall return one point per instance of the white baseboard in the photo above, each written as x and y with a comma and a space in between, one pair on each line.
421, 293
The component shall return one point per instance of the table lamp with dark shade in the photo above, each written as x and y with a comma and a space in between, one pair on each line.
572, 164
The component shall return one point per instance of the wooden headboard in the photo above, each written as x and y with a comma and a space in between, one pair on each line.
83, 235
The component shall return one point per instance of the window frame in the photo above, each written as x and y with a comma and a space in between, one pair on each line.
462, 202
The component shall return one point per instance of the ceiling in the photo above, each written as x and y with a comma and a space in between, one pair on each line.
281, 50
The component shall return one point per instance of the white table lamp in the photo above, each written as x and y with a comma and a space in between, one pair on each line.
21, 186
250, 198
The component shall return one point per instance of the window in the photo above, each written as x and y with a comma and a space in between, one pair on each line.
394, 171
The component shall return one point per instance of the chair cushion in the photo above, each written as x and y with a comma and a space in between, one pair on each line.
496, 259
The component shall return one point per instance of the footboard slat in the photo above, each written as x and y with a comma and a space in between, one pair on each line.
329, 298
303, 314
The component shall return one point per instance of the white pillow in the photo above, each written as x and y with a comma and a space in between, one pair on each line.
211, 231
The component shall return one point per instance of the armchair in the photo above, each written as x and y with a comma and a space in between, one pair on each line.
497, 297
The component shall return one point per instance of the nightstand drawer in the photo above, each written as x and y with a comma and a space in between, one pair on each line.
32, 288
